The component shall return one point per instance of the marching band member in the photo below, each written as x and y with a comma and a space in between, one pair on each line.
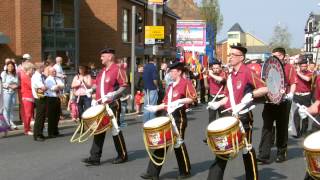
111, 83
38, 89
215, 81
178, 93
302, 95
280, 114
55, 87
242, 86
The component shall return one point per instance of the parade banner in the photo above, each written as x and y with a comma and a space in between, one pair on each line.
191, 35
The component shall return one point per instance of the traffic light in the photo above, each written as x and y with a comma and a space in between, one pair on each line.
139, 23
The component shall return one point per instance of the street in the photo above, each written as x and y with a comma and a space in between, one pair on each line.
58, 159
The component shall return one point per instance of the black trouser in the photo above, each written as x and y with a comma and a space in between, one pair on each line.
213, 113
119, 143
280, 114
53, 114
41, 108
83, 104
216, 170
181, 152
306, 101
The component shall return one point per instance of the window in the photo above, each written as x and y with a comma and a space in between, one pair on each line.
307, 44
59, 30
310, 27
125, 25
233, 36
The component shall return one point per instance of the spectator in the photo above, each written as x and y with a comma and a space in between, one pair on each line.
150, 80
93, 71
49, 63
58, 68
73, 107
3, 124
27, 99
82, 85
10, 86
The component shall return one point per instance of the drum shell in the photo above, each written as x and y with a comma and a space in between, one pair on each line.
228, 134
102, 120
162, 134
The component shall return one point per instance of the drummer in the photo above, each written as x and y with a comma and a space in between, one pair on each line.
302, 95
215, 81
278, 113
242, 85
178, 93
111, 82
314, 109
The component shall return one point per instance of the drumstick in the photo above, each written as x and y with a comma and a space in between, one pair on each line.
308, 114
215, 97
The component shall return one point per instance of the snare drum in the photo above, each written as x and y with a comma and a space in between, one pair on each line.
95, 120
311, 147
225, 137
158, 133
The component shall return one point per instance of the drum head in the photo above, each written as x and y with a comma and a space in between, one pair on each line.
93, 111
222, 123
273, 74
312, 141
156, 122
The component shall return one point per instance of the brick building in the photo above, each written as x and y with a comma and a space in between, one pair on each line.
77, 30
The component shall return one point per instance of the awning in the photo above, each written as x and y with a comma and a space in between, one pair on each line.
4, 39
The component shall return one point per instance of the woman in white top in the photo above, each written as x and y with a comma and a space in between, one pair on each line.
9, 85
82, 89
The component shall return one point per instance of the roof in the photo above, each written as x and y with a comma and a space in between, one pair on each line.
236, 27
169, 11
316, 21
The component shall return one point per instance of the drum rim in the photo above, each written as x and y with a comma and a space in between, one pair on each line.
307, 148
160, 125
90, 117
225, 129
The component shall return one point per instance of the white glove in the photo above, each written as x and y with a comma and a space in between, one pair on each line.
247, 98
238, 108
178, 143
289, 96
302, 112
108, 97
88, 92
213, 105
94, 102
151, 108
175, 104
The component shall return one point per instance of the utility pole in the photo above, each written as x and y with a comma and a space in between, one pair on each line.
154, 23
133, 53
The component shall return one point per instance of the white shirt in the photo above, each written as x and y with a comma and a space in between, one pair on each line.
51, 83
36, 83
59, 70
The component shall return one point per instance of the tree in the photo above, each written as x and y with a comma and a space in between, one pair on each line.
281, 37
210, 12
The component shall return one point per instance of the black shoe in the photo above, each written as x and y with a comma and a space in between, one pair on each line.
119, 160
205, 141
51, 136
184, 176
39, 138
58, 135
281, 158
264, 161
91, 162
148, 176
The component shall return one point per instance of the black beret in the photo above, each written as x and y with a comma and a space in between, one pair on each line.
303, 61
176, 65
107, 50
239, 47
215, 62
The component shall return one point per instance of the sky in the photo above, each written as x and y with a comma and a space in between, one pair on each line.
259, 17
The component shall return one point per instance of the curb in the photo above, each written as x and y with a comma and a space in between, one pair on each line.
67, 123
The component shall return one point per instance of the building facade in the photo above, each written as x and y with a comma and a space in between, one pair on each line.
77, 30
312, 37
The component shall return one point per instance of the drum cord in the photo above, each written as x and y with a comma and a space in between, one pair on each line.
152, 155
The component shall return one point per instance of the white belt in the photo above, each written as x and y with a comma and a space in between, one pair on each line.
218, 96
302, 94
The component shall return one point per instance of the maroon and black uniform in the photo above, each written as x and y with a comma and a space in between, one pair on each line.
243, 81
303, 97
214, 87
114, 78
184, 89
280, 114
